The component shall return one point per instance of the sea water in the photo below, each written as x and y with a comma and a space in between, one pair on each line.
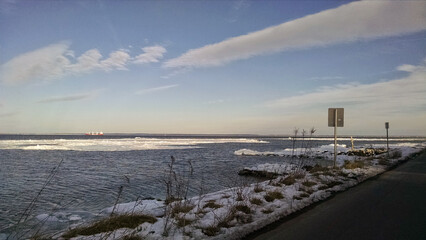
87, 172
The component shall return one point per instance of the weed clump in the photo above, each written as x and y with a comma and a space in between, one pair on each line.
256, 201
110, 224
309, 183
212, 204
181, 208
267, 211
258, 188
243, 208
271, 196
318, 168
301, 196
211, 230
289, 180
395, 154
182, 222
353, 164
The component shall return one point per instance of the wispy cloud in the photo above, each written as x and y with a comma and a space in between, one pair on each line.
67, 98
156, 89
151, 54
407, 94
355, 21
57, 61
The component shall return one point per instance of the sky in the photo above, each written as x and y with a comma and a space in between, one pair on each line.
212, 67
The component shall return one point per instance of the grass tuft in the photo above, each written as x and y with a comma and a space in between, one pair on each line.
353, 164
289, 180
271, 196
110, 224
243, 208
256, 201
212, 204
318, 168
181, 208
309, 183
267, 211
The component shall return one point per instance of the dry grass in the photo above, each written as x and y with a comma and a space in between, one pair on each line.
182, 222
271, 196
318, 168
256, 201
181, 208
309, 183
353, 164
132, 237
258, 188
289, 180
267, 211
301, 196
110, 224
243, 208
212, 204
395, 154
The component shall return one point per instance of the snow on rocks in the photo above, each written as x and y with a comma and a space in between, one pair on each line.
235, 212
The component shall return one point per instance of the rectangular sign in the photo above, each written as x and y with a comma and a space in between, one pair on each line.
387, 125
332, 117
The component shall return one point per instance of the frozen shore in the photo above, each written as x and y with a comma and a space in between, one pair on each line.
236, 212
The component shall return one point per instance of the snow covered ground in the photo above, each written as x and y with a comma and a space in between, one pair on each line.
236, 212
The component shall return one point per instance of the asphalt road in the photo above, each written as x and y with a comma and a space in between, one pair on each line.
391, 206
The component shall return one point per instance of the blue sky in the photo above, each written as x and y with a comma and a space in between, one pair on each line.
260, 67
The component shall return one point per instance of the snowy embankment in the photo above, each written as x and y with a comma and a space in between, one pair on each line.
236, 212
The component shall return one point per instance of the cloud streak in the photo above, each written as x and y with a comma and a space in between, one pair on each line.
67, 98
57, 61
355, 21
407, 94
156, 89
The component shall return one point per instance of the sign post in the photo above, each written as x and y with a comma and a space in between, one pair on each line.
335, 119
387, 135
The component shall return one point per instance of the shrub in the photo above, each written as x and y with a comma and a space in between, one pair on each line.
110, 224
395, 154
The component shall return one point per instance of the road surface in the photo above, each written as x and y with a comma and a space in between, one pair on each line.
390, 206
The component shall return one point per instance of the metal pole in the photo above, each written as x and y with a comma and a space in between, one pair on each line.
335, 136
387, 139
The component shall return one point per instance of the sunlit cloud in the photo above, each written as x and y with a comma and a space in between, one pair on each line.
151, 55
156, 89
407, 94
360, 20
57, 61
